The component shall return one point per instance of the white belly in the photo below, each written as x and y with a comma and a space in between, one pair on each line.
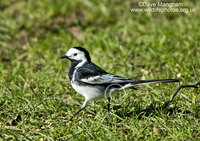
89, 92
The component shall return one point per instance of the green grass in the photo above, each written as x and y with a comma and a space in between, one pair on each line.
35, 93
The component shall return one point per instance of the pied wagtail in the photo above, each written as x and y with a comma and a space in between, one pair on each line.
93, 82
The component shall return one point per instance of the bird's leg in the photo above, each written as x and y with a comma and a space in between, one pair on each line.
108, 112
82, 108
108, 105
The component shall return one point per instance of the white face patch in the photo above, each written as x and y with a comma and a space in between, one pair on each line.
76, 54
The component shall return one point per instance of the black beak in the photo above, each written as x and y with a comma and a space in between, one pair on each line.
64, 57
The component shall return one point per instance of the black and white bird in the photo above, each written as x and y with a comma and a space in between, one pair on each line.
93, 82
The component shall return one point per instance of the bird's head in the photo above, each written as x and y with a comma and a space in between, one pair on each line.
77, 54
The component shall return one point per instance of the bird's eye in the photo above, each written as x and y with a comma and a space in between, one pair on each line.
75, 54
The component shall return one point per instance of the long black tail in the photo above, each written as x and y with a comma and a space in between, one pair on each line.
155, 81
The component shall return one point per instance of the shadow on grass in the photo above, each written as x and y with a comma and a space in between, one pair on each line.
153, 110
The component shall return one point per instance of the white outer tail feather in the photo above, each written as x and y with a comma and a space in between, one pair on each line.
143, 82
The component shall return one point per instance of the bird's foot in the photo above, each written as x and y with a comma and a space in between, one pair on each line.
66, 121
